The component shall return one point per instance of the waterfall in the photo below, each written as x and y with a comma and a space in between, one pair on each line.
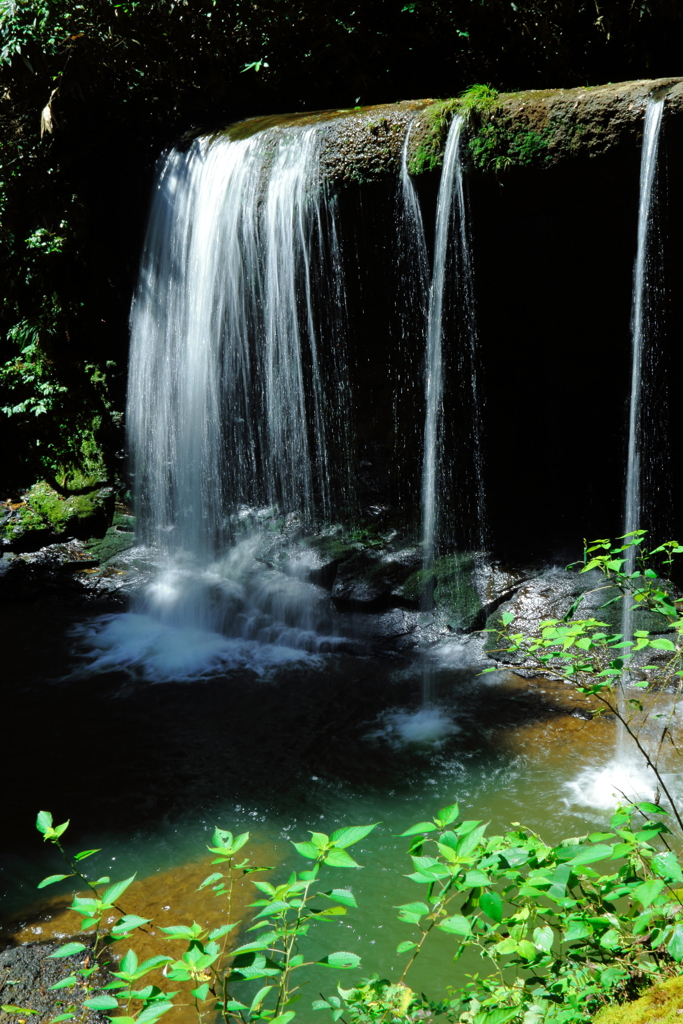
641, 328
226, 404
232, 398
452, 253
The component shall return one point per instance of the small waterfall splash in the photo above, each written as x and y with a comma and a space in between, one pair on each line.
626, 777
451, 252
640, 337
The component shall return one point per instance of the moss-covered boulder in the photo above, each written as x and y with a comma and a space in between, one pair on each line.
44, 516
661, 1004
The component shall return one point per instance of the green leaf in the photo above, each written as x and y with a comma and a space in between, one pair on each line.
43, 824
344, 837
647, 892
202, 992
102, 1003
51, 879
129, 922
183, 931
662, 644
283, 1018
543, 938
65, 982
110, 895
17, 1009
455, 925
577, 930
307, 850
403, 947
340, 859
422, 826
472, 840
649, 808
591, 853
674, 945
151, 963
492, 904
344, 961
527, 949
343, 896
85, 853
447, 815
259, 997
68, 950
666, 865
476, 878
151, 1013
129, 964
264, 942
67, 1016
412, 912
218, 933
211, 878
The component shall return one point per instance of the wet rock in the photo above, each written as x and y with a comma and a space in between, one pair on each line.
561, 593
119, 537
26, 974
369, 579
43, 516
551, 596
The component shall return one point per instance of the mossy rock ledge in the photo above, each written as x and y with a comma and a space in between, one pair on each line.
541, 127
536, 128
43, 516
661, 1004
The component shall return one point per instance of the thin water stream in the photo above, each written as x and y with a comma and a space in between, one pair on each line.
641, 338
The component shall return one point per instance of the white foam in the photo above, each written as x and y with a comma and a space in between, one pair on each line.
159, 652
617, 782
429, 726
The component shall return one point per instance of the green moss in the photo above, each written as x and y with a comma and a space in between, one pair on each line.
332, 548
497, 147
45, 511
661, 1004
498, 138
455, 597
474, 102
56, 510
118, 538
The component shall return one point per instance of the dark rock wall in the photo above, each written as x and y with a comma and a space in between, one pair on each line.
554, 247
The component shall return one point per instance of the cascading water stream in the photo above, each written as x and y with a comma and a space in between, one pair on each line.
640, 338
451, 250
626, 776
228, 411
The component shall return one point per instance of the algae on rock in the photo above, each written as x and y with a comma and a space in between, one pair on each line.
44, 516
